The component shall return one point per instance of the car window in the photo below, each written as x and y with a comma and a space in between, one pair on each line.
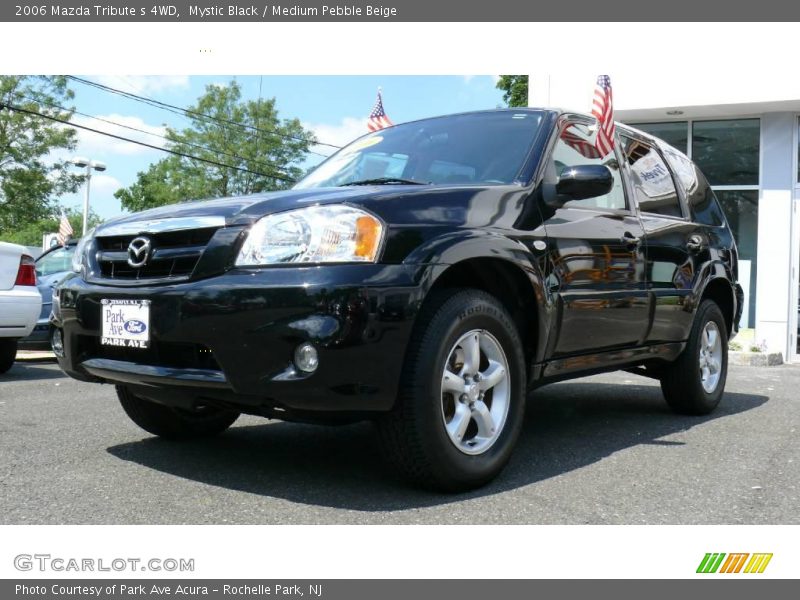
56, 261
702, 205
474, 148
381, 164
652, 181
574, 147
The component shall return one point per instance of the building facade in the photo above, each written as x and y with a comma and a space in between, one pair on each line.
745, 139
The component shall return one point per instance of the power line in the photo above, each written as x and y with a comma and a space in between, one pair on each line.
181, 111
143, 131
280, 177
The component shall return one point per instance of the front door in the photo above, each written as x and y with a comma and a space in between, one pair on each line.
597, 258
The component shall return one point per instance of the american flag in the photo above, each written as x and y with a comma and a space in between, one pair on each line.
603, 111
64, 230
583, 146
377, 118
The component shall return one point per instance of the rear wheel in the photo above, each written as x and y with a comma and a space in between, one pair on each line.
8, 353
695, 382
462, 396
174, 423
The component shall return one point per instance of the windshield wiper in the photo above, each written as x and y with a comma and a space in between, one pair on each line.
386, 181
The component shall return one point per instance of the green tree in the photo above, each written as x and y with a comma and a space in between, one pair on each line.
30, 234
30, 179
260, 152
515, 89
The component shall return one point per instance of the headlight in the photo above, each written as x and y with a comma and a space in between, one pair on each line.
79, 258
316, 234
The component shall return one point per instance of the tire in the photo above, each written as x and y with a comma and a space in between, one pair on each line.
174, 423
690, 389
415, 435
8, 353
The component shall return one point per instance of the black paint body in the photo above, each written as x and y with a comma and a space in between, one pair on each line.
585, 285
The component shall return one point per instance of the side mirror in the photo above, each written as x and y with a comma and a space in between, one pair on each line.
584, 181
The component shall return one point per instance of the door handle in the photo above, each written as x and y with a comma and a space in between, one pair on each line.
695, 243
629, 240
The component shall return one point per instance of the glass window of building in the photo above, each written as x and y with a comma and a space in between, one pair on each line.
727, 151
675, 133
741, 209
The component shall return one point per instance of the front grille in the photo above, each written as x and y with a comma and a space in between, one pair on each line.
160, 354
174, 254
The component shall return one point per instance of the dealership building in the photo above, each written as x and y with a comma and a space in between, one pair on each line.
744, 136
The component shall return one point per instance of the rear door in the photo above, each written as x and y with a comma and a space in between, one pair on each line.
597, 257
675, 246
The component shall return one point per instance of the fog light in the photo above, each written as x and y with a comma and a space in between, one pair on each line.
57, 343
306, 358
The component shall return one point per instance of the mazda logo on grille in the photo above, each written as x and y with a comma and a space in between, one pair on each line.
139, 252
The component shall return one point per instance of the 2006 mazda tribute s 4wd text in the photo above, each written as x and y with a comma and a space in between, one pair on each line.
426, 276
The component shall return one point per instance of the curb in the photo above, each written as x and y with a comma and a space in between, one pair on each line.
755, 359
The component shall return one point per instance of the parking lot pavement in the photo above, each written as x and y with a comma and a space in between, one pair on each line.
603, 449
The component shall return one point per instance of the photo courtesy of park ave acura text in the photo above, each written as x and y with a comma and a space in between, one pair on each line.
553, 298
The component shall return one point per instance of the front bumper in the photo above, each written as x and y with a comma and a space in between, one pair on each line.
231, 338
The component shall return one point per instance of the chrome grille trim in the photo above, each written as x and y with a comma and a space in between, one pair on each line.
159, 226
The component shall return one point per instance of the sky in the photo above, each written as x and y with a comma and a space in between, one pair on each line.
334, 107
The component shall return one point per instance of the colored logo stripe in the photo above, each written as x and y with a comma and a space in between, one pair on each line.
710, 562
758, 563
733, 564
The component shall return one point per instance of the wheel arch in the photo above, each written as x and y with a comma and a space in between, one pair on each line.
721, 291
516, 287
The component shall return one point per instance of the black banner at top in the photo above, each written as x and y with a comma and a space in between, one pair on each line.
396, 10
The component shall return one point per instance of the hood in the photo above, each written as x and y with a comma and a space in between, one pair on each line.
243, 210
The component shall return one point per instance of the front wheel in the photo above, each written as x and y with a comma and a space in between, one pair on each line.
695, 382
174, 423
462, 397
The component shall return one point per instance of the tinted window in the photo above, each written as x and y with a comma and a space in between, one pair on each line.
676, 134
652, 181
727, 151
480, 148
702, 204
575, 148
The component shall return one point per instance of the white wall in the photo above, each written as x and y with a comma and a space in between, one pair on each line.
774, 230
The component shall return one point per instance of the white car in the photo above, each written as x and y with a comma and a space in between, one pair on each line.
20, 301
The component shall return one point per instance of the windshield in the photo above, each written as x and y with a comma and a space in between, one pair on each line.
55, 261
476, 148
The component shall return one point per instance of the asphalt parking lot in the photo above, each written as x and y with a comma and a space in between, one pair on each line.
598, 450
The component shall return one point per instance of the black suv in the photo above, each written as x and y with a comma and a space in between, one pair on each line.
426, 276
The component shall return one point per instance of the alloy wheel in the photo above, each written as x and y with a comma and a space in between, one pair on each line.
475, 392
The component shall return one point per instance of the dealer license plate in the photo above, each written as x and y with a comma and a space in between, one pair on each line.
125, 323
